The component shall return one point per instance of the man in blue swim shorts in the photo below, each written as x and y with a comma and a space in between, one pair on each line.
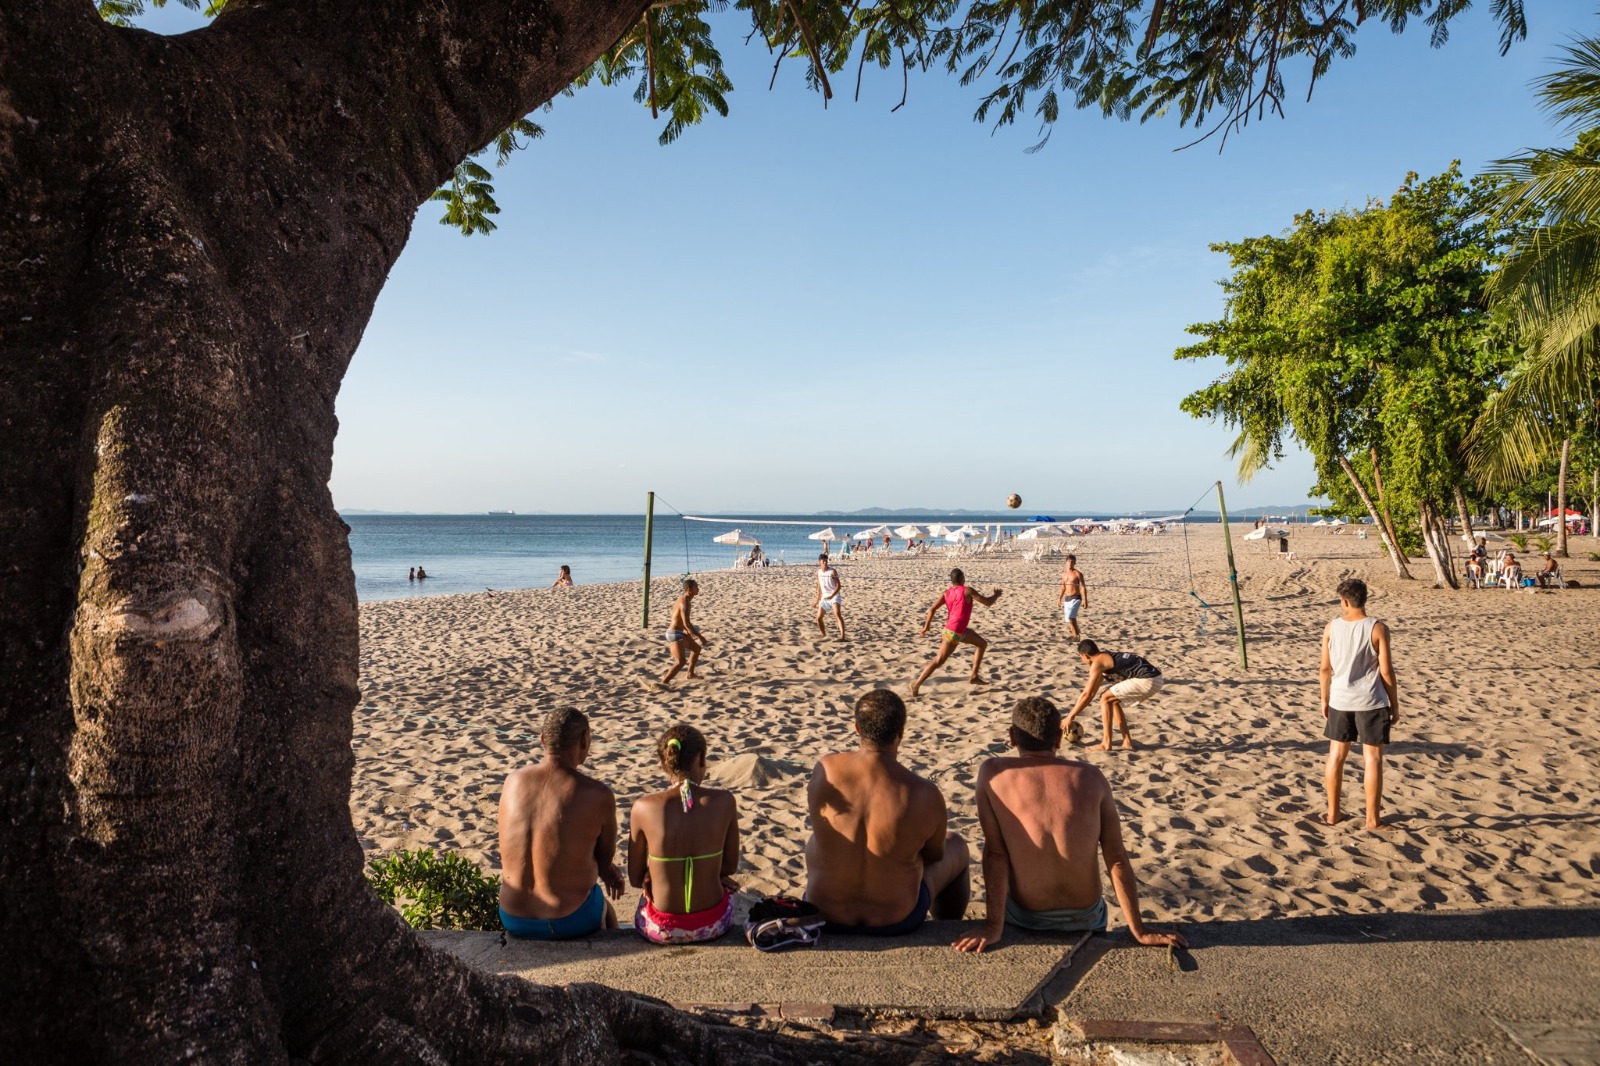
558, 837
1046, 822
880, 854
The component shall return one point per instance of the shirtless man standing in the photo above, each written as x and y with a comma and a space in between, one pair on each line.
1074, 595
683, 636
828, 595
957, 603
880, 853
1044, 818
558, 834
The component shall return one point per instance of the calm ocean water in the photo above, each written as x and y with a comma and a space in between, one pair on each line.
469, 553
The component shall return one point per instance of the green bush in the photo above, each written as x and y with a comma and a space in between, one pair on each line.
1544, 544
1520, 540
1594, 557
437, 890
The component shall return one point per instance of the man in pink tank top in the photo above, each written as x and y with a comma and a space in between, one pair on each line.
957, 603
1359, 698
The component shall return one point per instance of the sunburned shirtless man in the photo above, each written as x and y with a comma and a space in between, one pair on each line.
558, 835
880, 853
957, 603
1044, 818
1073, 596
683, 636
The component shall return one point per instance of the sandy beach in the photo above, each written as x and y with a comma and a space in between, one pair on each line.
1488, 779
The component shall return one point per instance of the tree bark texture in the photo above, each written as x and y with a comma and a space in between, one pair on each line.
1561, 499
1385, 534
1465, 513
193, 233
1436, 541
1383, 514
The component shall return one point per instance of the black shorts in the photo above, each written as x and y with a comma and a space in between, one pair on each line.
1369, 727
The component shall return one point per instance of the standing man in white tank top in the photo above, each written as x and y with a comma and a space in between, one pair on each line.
829, 595
1359, 700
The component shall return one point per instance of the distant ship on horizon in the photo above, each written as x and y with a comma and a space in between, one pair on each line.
502, 512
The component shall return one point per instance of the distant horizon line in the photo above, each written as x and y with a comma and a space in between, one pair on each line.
1060, 513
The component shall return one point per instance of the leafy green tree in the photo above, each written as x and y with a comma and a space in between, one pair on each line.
1362, 335
193, 233
1550, 285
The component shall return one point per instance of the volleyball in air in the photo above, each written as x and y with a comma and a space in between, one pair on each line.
1013, 501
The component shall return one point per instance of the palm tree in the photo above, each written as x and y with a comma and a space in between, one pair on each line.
1549, 286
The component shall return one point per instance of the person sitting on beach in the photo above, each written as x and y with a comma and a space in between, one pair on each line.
757, 557
683, 636
1549, 574
1510, 571
1044, 820
880, 853
1133, 679
829, 596
563, 579
957, 603
558, 836
684, 848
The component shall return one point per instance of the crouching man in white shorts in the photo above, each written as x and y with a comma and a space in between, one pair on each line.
1132, 680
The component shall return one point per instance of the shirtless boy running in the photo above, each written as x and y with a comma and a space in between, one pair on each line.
683, 636
1074, 595
957, 603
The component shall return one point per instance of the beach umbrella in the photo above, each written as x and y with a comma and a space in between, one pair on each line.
937, 530
970, 530
826, 536
866, 534
736, 537
1041, 518
956, 536
906, 532
1033, 532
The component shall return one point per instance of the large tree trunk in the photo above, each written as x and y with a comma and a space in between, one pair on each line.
1561, 500
1436, 541
1384, 514
193, 232
1385, 534
1464, 513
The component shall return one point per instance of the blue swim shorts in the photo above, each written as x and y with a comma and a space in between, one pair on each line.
588, 918
1070, 607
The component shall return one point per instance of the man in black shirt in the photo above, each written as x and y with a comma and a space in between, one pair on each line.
1133, 680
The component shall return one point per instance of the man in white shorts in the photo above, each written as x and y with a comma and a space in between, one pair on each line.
1073, 596
1133, 679
829, 595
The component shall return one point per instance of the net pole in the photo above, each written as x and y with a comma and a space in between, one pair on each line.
1233, 579
649, 523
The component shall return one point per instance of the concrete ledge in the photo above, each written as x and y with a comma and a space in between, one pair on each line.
918, 975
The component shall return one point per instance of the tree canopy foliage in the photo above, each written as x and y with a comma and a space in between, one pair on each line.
1213, 64
1363, 334
1550, 283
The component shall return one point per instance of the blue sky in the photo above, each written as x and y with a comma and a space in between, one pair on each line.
799, 308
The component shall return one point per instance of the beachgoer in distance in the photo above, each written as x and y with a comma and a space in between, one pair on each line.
1359, 698
1133, 680
1546, 576
957, 603
881, 853
829, 595
683, 636
558, 836
422, 575
563, 579
411, 575
1073, 595
1045, 819
757, 557
684, 848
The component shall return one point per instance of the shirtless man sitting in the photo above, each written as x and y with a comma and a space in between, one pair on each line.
558, 835
880, 854
1044, 818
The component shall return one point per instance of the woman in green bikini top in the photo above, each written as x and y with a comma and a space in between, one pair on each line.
684, 845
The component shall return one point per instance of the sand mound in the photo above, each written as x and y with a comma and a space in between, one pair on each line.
751, 771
